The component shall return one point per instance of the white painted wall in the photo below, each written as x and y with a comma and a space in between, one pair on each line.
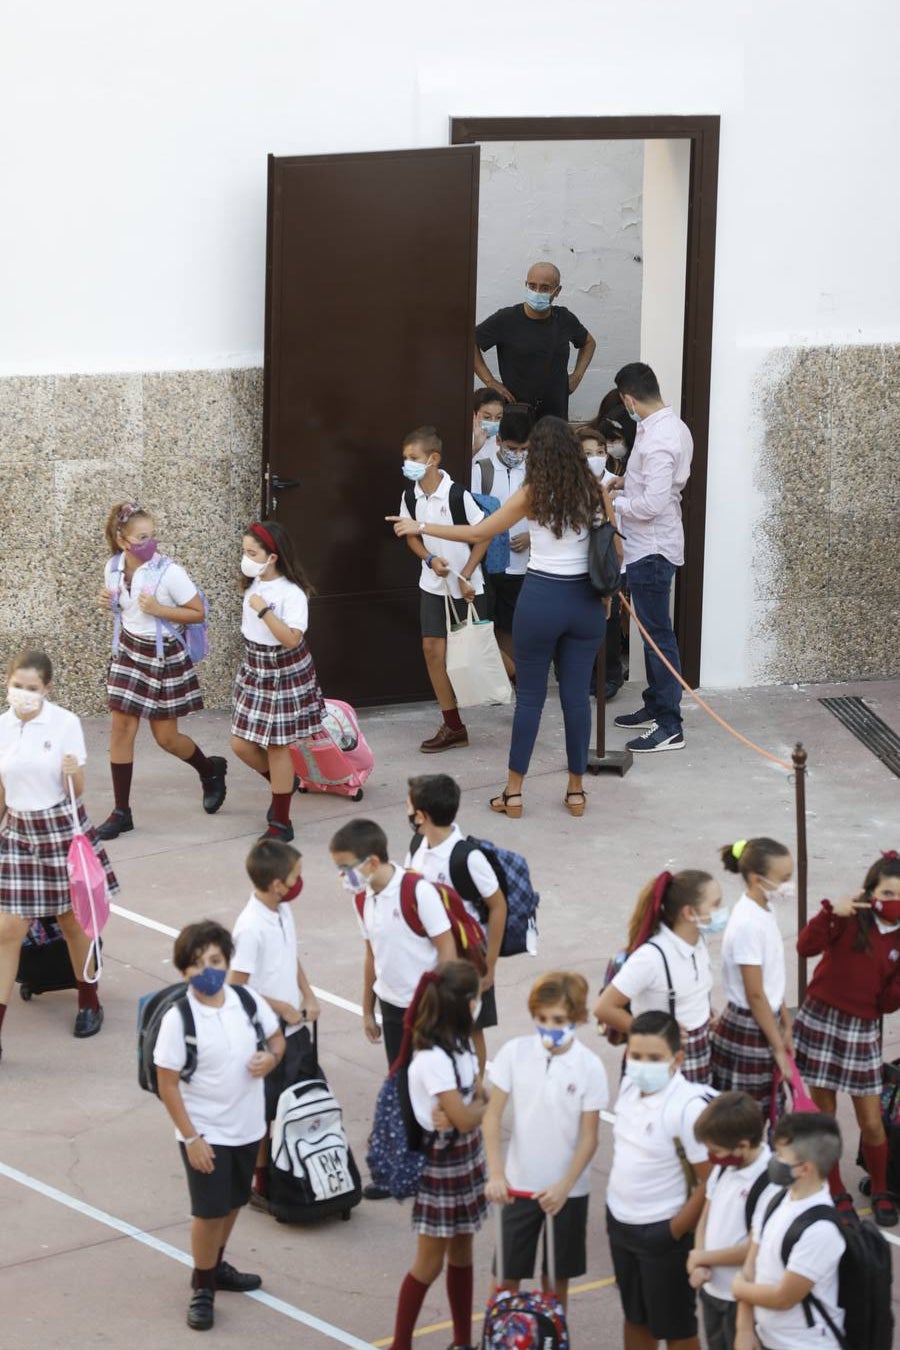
133, 168
578, 204
667, 171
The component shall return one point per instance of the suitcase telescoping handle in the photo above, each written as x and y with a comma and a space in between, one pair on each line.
550, 1238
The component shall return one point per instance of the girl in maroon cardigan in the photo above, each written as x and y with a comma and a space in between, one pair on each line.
837, 1032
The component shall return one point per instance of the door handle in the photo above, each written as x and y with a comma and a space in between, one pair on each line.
281, 484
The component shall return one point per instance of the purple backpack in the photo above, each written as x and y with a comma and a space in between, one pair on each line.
195, 636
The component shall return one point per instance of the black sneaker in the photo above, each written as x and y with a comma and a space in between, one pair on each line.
641, 718
88, 1022
278, 831
373, 1192
214, 788
200, 1315
657, 738
884, 1210
117, 822
235, 1281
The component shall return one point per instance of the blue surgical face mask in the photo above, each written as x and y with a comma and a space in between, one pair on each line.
717, 921
209, 980
633, 415
490, 428
413, 469
555, 1038
649, 1075
538, 300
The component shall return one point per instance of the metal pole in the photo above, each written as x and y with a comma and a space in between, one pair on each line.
799, 761
603, 760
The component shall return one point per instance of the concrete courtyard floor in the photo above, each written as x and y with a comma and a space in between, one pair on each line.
93, 1206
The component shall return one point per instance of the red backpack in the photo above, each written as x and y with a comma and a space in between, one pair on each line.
468, 934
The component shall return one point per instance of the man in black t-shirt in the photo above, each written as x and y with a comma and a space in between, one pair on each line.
532, 342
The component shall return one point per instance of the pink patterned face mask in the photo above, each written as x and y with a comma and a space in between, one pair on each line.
143, 551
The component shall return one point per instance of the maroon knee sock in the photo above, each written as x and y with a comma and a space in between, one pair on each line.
219, 1257
121, 777
204, 1279
2, 1013
459, 1293
281, 807
87, 996
409, 1305
261, 1180
452, 719
875, 1157
200, 763
835, 1180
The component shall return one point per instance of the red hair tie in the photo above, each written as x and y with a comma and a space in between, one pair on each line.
409, 1020
891, 855
651, 918
262, 534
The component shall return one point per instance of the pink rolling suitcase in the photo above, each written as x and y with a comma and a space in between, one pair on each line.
339, 760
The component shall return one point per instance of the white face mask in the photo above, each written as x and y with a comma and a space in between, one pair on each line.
24, 700
596, 464
785, 890
251, 568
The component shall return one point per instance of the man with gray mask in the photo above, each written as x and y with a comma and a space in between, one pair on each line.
532, 341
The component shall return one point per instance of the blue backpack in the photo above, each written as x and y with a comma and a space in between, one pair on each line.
522, 900
498, 553
195, 637
394, 1162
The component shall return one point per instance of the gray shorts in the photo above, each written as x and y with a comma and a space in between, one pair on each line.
433, 613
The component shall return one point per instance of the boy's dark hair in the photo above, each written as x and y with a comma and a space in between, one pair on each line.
753, 855
516, 424
813, 1136
655, 1023
731, 1119
443, 1015
638, 381
437, 794
427, 437
363, 838
31, 658
485, 395
193, 941
270, 860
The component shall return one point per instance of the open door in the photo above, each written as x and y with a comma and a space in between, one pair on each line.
370, 322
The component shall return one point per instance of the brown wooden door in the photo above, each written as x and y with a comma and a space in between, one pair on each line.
370, 319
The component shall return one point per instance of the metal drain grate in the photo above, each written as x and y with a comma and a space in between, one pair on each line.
867, 727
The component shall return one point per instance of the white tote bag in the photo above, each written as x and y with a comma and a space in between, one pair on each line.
474, 665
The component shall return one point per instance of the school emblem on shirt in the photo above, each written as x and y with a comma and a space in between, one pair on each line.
571, 1089
48, 745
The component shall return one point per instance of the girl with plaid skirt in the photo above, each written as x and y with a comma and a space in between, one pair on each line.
41, 748
150, 673
838, 1028
753, 1035
666, 940
448, 1103
277, 700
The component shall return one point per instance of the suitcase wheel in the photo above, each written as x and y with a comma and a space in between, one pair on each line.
25, 992
357, 797
865, 1186
345, 1215
301, 788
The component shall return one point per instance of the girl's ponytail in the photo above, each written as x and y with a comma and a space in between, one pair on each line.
661, 901
442, 1014
751, 855
119, 516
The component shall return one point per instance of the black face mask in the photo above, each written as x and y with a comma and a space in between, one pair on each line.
780, 1173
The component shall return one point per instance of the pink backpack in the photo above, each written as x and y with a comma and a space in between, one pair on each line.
87, 887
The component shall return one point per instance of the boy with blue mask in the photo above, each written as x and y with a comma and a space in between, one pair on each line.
448, 569
656, 1186
219, 1112
487, 410
557, 1088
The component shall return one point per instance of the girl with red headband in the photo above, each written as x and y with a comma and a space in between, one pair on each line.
150, 674
838, 1028
277, 700
668, 968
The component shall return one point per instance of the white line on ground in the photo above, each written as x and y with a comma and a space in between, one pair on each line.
157, 927
175, 1254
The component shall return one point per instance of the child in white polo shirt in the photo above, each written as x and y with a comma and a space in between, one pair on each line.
447, 568
731, 1127
499, 472
774, 1298
557, 1088
432, 805
656, 1187
265, 955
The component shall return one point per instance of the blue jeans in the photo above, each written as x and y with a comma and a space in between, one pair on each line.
650, 583
562, 616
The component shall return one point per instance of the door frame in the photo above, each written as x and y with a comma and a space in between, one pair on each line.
703, 134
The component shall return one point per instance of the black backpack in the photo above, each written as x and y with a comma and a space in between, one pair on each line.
152, 1008
457, 500
864, 1279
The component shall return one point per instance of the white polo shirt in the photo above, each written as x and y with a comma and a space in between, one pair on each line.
506, 482
431, 1073
727, 1189
753, 938
646, 1181
401, 956
436, 509
288, 601
265, 949
225, 1102
170, 584
434, 864
549, 1094
815, 1257
31, 756
642, 978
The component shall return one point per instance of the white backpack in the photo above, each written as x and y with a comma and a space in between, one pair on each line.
308, 1141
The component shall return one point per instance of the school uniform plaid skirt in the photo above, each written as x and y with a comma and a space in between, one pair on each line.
835, 1050
276, 697
34, 846
695, 1044
740, 1056
141, 684
450, 1198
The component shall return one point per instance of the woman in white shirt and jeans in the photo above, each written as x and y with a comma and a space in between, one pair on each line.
558, 611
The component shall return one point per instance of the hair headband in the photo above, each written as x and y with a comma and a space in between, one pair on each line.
409, 1020
651, 917
126, 511
264, 537
737, 849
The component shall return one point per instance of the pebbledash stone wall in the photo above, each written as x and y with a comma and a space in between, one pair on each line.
827, 543
187, 444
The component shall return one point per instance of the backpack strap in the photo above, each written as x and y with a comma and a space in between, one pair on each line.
460, 876
190, 1038
119, 569
669, 989
250, 1008
409, 497
816, 1214
771, 1208
487, 475
753, 1195
687, 1167
408, 907
457, 500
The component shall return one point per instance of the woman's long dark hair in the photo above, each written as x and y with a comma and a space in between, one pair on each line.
563, 490
288, 564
